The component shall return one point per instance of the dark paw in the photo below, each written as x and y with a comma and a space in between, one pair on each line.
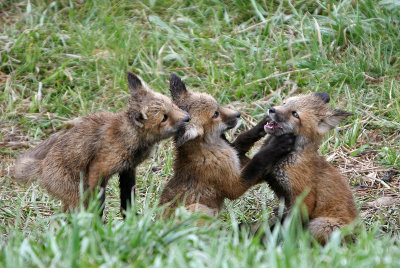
260, 126
284, 143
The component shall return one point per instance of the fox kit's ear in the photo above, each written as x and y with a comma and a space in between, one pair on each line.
188, 132
177, 87
323, 96
134, 83
331, 120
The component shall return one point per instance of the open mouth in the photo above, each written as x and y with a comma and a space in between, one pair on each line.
272, 126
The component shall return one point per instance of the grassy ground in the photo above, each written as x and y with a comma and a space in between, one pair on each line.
60, 60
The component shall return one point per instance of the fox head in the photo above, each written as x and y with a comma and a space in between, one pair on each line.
307, 116
208, 119
153, 112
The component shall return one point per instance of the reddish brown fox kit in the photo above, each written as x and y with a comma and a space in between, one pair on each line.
207, 168
329, 201
100, 145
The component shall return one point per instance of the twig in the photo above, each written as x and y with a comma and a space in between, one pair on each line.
275, 75
390, 123
252, 27
182, 68
377, 169
15, 144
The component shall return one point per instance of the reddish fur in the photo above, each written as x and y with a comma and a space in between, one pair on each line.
329, 202
330, 194
97, 146
206, 168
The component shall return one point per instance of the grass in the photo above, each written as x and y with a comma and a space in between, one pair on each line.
63, 59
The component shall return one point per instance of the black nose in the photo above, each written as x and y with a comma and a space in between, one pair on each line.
238, 114
186, 119
271, 110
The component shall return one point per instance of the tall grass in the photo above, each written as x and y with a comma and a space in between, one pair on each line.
82, 239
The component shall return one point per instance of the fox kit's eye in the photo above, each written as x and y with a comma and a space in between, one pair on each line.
165, 118
295, 114
216, 114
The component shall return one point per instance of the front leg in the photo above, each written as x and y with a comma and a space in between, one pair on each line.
246, 140
127, 183
264, 161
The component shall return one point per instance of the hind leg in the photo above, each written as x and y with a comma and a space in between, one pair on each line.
68, 193
322, 227
62, 186
202, 209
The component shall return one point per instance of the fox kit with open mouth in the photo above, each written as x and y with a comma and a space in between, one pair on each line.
329, 202
207, 167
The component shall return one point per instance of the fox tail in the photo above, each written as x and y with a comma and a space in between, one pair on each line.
27, 167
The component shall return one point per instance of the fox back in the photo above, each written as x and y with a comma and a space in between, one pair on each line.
97, 146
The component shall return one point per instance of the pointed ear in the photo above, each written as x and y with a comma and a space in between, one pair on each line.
177, 87
323, 96
186, 133
331, 120
134, 83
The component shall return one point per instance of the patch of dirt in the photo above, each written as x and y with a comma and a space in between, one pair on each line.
377, 188
3, 77
10, 13
12, 137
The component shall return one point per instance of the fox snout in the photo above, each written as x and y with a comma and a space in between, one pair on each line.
275, 115
278, 123
183, 119
230, 117
271, 110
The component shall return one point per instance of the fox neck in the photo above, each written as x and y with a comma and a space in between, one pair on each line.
213, 139
197, 147
305, 144
138, 134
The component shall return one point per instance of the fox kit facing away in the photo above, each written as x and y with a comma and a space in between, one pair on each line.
207, 168
329, 201
100, 145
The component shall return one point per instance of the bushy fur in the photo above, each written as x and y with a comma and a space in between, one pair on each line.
97, 146
329, 201
207, 167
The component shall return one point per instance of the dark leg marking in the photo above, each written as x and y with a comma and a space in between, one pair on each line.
127, 185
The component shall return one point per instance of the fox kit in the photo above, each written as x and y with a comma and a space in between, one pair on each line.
329, 201
207, 168
100, 145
